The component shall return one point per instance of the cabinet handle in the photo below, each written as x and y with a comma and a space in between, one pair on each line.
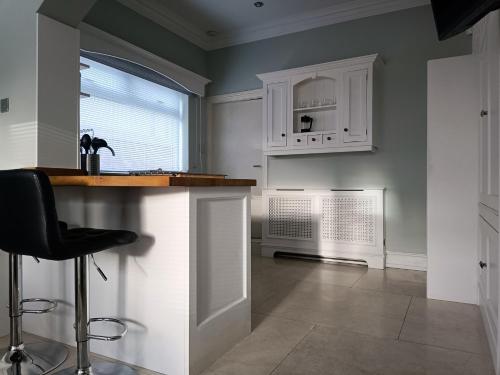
483, 113
299, 140
283, 134
313, 139
346, 130
483, 265
329, 138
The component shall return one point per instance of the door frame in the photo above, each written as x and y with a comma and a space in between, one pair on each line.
231, 98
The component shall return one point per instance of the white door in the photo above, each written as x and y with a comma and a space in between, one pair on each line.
355, 99
236, 148
277, 111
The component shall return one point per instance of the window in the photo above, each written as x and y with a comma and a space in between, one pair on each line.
144, 122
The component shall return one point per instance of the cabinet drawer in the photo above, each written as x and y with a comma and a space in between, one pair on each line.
329, 139
314, 140
299, 140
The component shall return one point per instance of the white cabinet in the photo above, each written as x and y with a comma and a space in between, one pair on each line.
488, 281
319, 108
276, 114
486, 45
489, 125
355, 119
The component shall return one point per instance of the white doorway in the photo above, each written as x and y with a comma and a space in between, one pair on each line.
235, 142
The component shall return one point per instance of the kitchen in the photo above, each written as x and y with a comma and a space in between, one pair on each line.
280, 181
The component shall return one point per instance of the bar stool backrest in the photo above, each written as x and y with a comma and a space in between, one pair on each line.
28, 217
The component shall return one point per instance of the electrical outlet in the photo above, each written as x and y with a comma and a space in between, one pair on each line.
4, 105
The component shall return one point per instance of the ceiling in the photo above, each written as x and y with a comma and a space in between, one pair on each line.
239, 21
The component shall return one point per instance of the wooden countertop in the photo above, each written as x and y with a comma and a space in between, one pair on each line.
146, 181
75, 177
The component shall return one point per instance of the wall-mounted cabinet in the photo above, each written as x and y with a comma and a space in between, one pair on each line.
320, 108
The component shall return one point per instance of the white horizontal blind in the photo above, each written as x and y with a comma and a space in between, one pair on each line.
145, 123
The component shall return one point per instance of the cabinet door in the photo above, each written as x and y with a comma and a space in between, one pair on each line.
355, 116
488, 273
277, 104
489, 120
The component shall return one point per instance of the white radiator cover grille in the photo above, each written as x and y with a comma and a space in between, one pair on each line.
341, 224
290, 217
349, 219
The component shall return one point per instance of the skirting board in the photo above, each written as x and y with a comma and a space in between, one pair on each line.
393, 259
407, 261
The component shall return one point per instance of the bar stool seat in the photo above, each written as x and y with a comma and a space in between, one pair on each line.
29, 226
85, 241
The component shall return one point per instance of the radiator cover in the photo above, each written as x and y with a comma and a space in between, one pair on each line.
337, 224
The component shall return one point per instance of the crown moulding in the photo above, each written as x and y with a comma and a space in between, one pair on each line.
346, 11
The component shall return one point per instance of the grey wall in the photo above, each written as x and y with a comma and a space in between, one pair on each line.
406, 40
116, 19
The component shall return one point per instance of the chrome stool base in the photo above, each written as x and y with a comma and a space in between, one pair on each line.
35, 359
100, 368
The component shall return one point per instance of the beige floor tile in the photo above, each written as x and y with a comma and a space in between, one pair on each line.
379, 314
463, 338
445, 324
344, 275
228, 367
366, 323
331, 351
264, 349
478, 365
443, 313
327, 297
265, 286
411, 283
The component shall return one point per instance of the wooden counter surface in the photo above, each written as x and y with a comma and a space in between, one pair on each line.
145, 181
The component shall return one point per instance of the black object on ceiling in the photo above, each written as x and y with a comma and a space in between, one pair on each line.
455, 17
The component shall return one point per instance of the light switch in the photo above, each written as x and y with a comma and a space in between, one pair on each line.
4, 105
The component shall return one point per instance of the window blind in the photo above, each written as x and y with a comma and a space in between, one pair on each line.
144, 122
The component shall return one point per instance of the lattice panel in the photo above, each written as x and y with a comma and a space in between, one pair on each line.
349, 219
290, 217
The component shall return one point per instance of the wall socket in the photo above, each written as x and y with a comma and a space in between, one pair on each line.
4, 105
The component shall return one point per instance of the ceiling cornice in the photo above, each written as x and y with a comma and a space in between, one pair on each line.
175, 24
348, 11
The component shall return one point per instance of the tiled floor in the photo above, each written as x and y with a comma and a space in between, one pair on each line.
322, 319
312, 318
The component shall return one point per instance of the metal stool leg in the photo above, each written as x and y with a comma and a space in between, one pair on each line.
83, 365
33, 358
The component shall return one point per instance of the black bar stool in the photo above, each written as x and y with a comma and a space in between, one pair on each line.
33, 358
29, 226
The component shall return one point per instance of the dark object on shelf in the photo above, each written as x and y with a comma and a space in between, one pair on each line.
455, 17
85, 143
306, 120
98, 143
91, 163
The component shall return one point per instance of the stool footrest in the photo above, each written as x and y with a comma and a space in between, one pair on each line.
108, 338
52, 306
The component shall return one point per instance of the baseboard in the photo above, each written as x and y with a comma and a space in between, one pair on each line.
407, 261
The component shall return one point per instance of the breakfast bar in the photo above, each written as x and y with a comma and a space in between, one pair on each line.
183, 288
